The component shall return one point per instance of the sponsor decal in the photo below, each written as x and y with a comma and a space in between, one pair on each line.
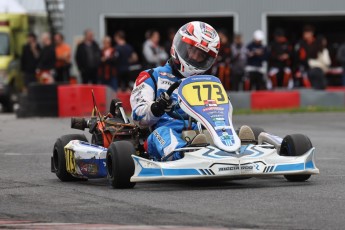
165, 82
208, 31
227, 139
213, 108
90, 169
217, 118
236, 167
142, 77
204, 48
169, 75
159, 137
203, 78
219, 123
138, 88
92, 152
210, 103
139, 99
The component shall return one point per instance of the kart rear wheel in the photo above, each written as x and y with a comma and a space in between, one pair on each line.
257, 131
115, 110
295, 145
120, 165
59, 161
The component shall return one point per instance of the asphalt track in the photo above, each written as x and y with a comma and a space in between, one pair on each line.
29, 192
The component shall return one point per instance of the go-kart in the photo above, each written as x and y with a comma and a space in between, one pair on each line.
214, 151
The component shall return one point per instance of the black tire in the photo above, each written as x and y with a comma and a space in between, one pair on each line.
115, 111
295, 145
120, 165
59, 160
257, 131
8, 102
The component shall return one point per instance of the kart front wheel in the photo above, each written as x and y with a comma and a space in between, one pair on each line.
120, 165
295, 145
59, 160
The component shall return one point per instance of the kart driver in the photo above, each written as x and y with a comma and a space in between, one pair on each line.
194, 50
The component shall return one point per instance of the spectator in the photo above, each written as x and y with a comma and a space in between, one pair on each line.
29, 59
154, 55
341, 59
238, 62
124, 56
308, 48
256, 55
280, 62
319, 66
221, 68
47, 60
63, 59
107, 71
88, 58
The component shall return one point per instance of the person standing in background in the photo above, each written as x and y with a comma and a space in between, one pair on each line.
63, 58
238, 62
154, 54
319, 66
88, 58
29, 60
256, 56
107, 71
312, 60
307, 48
46, 64
280, 62
341, 59
221, 68
124, 57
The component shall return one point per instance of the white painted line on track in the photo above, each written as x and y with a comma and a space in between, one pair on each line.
23, 224
25, 154
73, 226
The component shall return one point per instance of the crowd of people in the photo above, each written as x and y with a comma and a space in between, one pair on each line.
239, 66
46, 61
280, 64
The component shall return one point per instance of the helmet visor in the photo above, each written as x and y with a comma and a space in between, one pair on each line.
193, 55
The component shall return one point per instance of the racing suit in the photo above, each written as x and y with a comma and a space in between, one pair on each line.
166, 137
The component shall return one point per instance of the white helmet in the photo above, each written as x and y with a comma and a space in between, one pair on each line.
258, 35
195, 48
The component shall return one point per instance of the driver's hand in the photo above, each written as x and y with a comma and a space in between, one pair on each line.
162, 105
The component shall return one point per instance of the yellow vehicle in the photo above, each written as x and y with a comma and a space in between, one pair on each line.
13, 32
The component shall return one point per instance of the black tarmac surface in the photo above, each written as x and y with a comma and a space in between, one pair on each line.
29, 191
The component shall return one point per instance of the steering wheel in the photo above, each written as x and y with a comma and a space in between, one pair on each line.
173, 112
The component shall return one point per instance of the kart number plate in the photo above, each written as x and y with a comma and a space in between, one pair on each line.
70, 161
204, 93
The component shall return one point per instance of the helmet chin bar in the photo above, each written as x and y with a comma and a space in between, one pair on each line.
189, 73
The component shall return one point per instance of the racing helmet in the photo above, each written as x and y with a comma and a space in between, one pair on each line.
195, 48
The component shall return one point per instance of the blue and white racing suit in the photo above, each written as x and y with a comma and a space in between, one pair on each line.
167, 131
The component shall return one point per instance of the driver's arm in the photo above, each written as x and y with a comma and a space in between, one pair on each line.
142, 98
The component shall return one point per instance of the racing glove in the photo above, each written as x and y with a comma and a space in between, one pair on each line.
162, 105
